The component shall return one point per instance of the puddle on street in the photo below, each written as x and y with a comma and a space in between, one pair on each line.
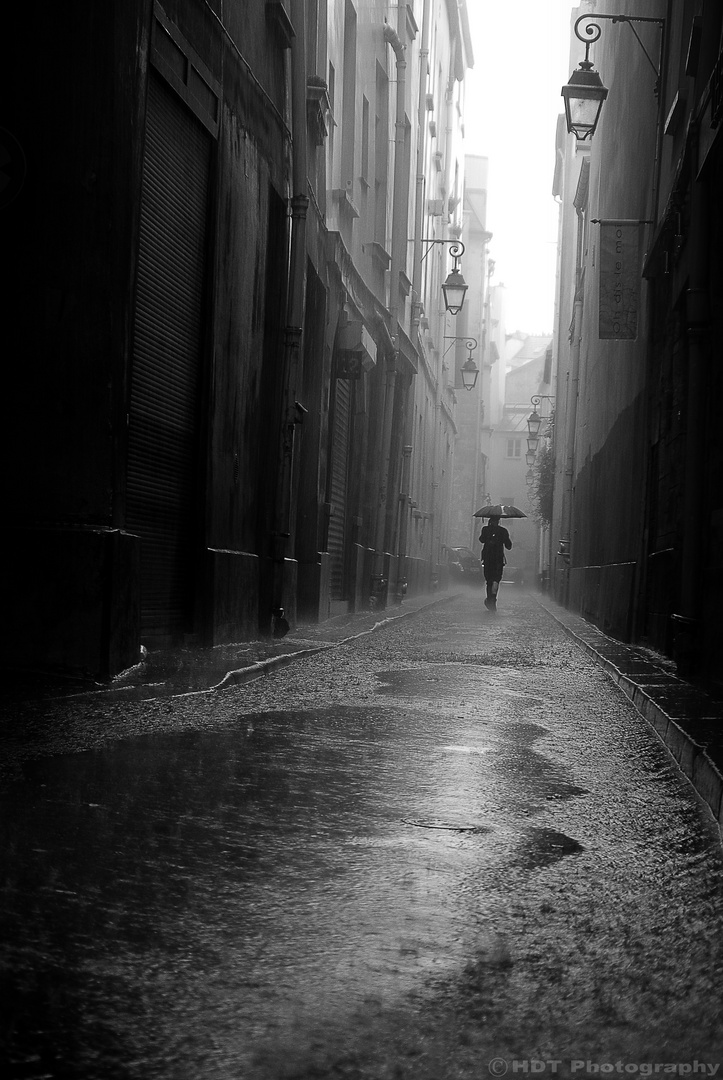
468, 749
544, 847
220, 903
203, 874
444, 677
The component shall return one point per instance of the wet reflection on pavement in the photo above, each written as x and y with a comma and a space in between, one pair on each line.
402, 864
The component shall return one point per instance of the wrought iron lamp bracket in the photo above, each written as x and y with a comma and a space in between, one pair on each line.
470, 343
593, 32
456, 249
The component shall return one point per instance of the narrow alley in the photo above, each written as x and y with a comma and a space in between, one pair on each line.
445, 849
309, 301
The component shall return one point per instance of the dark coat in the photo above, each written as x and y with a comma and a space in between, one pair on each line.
494, 539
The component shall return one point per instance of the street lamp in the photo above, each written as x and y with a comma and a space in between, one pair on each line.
534, 420
454, 287
584, 94
530, 457
470, 373
453, 290
534, 423
469, 370
530, 477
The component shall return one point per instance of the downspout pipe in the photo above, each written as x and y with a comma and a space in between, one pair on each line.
483, 390
566, 544
399, 240
404, 498
638, 614
448, 134
420, 193
291, 410
419, 198
399, 215
687, 620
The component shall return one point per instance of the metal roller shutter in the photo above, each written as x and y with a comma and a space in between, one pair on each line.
338, 486
163, 423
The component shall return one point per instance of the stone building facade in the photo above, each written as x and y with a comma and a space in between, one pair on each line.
637, 530
217, 316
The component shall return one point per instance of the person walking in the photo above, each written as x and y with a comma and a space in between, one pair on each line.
494, 538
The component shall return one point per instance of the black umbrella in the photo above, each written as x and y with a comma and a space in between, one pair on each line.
500, 510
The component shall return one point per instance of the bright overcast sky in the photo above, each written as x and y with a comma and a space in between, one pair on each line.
513, 99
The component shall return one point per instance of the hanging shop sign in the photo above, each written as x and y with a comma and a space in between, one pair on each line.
348, 365
619, 279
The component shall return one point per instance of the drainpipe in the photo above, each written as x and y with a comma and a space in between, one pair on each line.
420, 177
419, 201
404, 499
448, 142
565, 550
436, 530
484, 392
399, 242
292, 411
637, 619
437, 490
686, 621
399, 216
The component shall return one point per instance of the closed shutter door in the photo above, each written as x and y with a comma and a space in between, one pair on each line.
163, 427
338, 485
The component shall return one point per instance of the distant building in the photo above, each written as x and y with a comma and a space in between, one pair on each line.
472, 339
491, 444
529, 375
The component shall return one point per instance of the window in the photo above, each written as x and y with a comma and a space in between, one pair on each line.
514, 448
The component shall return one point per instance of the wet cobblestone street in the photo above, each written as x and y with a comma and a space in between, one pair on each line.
447, 842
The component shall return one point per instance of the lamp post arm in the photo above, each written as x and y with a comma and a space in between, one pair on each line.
630, 22
470, 343
537, 399
456, 248
629, 19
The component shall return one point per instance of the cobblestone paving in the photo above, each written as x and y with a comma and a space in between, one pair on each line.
447, 848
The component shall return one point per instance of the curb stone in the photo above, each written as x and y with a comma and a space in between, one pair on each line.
688, 722
264, 667
304, 641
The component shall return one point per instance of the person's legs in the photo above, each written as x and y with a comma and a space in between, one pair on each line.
493, 573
